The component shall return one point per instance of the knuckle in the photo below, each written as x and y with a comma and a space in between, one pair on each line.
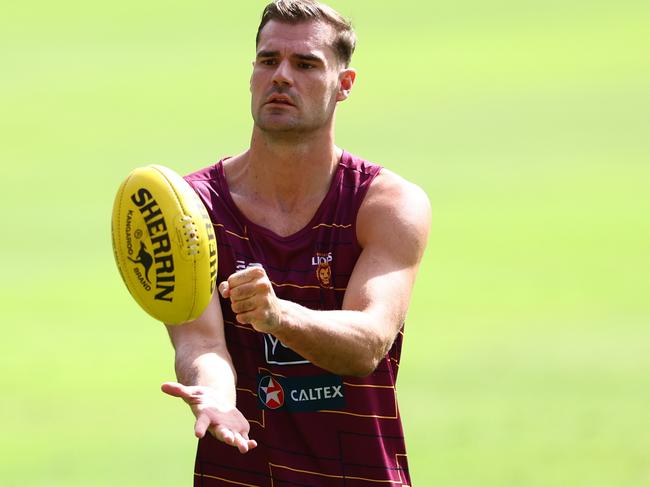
232, 293
263, 286
268, 315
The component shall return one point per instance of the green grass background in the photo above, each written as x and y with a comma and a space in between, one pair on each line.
527, 354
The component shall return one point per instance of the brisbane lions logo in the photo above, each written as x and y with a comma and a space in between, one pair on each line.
323, 264
324, 274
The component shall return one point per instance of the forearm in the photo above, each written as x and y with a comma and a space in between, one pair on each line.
207, 384
211, 368
343, 342
351, 341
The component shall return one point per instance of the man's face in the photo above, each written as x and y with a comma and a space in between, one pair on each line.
296, 78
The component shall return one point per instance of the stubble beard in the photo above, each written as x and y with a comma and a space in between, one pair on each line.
290, 127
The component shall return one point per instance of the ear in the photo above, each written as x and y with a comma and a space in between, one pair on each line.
346, 81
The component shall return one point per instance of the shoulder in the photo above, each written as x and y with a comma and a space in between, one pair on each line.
208, 180
396, 210
206, 183
392, 196
204, 175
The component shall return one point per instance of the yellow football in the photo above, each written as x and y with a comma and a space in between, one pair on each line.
164, 244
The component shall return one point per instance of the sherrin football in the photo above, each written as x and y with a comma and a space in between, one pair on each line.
164, 244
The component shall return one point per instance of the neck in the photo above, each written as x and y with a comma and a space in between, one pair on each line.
287, 171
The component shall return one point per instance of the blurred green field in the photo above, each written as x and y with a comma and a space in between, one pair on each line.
527, 353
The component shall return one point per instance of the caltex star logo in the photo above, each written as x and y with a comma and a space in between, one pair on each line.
271, 393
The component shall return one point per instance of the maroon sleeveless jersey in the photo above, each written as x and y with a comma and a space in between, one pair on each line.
313, 428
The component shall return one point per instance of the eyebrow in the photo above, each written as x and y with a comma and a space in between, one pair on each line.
268, 53
302, 57
309, 57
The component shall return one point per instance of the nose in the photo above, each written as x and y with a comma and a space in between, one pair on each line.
282, 74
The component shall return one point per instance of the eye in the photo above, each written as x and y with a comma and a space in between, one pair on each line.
268, 62
302, 65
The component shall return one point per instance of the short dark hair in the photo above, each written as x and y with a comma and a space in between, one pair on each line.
297, 11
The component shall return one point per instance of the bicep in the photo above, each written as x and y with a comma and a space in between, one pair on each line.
380, 286
393, 228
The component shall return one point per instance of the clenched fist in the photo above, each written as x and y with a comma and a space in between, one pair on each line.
252, 299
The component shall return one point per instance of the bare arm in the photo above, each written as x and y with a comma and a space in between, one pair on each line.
392, 228
207, 378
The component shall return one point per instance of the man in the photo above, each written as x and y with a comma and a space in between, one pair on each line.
294, 361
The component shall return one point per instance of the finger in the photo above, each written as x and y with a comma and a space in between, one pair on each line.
256, 317
246, 290
243, 305
250, 444
241, 443
175, 389
246, 275
201, 425
224, 289
224, 434
245, 318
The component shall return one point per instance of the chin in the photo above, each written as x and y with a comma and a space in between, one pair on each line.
284, 124
277, 125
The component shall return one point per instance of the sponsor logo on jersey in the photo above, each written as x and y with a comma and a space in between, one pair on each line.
270, 392
277, 353
323, 264
240, 265
311, 393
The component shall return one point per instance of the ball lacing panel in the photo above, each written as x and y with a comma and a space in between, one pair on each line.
191, 235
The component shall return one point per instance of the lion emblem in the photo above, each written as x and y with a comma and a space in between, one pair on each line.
324, 274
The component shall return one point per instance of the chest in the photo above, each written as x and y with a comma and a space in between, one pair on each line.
311, 267
281, 221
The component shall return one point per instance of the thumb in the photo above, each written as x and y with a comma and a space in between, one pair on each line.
201, 425
224, 289
175, 389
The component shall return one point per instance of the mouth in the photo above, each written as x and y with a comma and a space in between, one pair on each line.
281, 100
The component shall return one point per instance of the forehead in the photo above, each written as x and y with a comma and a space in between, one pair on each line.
305, 37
